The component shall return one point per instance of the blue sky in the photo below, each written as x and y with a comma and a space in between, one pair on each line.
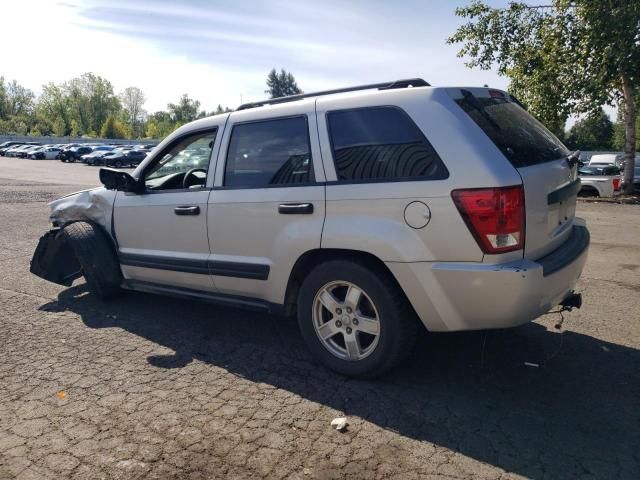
217, 51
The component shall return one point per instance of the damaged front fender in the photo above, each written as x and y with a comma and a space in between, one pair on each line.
95, 205
54, 260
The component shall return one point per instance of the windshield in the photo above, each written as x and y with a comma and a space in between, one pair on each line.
519, 136
191, 152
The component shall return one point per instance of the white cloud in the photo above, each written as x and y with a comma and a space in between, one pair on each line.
219, 52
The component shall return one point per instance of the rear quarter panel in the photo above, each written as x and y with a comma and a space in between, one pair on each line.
370, 216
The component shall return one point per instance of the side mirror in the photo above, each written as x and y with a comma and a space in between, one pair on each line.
114, 179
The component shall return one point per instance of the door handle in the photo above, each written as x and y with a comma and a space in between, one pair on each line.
187, 210
295, 208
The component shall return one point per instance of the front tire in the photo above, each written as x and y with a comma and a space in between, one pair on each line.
96, 255
355, 319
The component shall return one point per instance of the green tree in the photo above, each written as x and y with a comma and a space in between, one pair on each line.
20, 127
152, 130
591, 133
281, 84
619, 129
160, 124
59, 127
185, 111
19, 100
75, 128
133, 99
220, 110
16, 107
54, 107
562, 58
113, 128
3, 99
91, 101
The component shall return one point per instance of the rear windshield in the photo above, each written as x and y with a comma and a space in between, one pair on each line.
519, 136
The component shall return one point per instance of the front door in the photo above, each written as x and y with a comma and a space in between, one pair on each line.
267, 206
162, 232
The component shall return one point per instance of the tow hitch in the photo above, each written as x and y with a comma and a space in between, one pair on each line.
571, 301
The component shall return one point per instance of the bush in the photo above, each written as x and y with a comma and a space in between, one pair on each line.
113, 128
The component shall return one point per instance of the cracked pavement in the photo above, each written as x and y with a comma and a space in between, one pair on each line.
154, 387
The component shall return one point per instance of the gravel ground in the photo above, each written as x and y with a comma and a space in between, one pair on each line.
152, 387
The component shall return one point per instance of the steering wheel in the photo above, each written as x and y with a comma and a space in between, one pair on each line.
185, 179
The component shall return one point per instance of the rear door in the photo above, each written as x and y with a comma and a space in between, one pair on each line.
550, 181
268, 203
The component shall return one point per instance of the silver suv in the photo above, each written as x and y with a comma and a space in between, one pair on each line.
365, 211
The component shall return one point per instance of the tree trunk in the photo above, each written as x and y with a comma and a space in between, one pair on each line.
629, 133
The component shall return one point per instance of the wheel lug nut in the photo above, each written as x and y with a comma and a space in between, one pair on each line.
348, 309
348, 330
355, 321
338, 323
338, 311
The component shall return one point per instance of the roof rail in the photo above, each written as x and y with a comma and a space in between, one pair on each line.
410, 82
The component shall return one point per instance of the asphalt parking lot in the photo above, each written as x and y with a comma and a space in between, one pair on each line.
153, 387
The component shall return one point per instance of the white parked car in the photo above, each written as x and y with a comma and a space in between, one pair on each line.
599, 180
367, 212
612, 159
17, 150
44, 153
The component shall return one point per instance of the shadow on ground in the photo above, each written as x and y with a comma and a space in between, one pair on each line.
576, 415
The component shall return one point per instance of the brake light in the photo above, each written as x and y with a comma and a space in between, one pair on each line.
495, 216
616, 184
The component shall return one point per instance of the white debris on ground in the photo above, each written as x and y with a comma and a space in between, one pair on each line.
340, 423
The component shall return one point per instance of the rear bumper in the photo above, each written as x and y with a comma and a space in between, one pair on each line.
476, 296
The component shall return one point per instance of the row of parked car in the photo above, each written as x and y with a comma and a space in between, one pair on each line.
602, 176
92, 154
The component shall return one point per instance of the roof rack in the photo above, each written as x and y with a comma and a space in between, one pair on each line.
410, 82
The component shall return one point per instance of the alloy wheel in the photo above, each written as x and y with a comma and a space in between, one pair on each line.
346, 320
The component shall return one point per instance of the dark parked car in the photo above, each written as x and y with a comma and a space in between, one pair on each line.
134, 157
116, 158
74, 154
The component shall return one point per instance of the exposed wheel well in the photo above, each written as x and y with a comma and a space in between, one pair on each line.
588, 191
62, 261
312, 258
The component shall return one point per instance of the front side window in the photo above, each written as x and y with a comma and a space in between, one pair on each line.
269, 153
184, 165
378, 143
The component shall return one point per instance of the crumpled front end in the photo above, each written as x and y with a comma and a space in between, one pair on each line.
95, 205
54, 259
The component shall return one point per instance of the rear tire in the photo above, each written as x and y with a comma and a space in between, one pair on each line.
96, 255
380, 298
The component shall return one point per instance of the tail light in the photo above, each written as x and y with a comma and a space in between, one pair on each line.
616, 184
495, 216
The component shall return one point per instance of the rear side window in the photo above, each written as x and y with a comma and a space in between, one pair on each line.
519, 136
269, 153
381, 143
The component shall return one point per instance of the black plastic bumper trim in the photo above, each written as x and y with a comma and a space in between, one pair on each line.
577, 243
254, 271
218, 298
